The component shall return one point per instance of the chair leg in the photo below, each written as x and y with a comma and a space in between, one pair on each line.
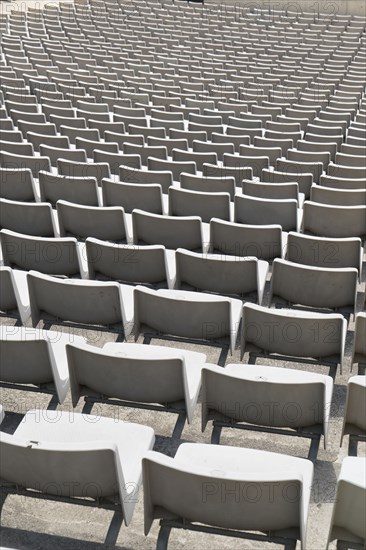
163, 538
216, 434
352, 446
114, 529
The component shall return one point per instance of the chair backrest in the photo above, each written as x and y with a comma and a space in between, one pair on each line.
334, 221
16, 185
33, 356
170, 231
78, 190
55, 153
54, 467
278, 191
256, 211
90, 221
351, 488
323, 251
186, 314
28, 218
132, 175
175, 167
206, 184
305, 181
18, 162
293, 333
234, 239
355, 409
128, 373
335, 182
215, 273
97, 170
192, 489
53, 256
239, 173
239, 392
317, 287
130, 196
359, 344
10, 296
129, 263
183, 202
338, 197
86, 302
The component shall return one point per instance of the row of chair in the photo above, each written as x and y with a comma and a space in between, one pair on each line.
293, 282
51, 453
174, 312
189, 208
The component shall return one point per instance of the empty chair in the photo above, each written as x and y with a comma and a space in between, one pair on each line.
199, 158
46, 128
359, 343
129, 263
55, 153
17, 185
324, 252
317, 287
261, 241
236, 140
257, 164
242, 396
338, 197
28, 218
256, 211
72, 189
35, 358
334, 221
278, 191
60, 142
238, 172
193, 486
187, 314
354, 423
220, 274
300, 167
54, 256
53, 452
14, 298
350, 496
170, 231
97, 170
17, 162
342, 183
130, 196
217, 148
340, 171
305, 181
115, 160
101, 303
124, 372
183, 202
89, 146
144, 151
293, 333
16, 148
206, 184
89, 134
145, 177
351, 160
88, 221
175, 167
273, 153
